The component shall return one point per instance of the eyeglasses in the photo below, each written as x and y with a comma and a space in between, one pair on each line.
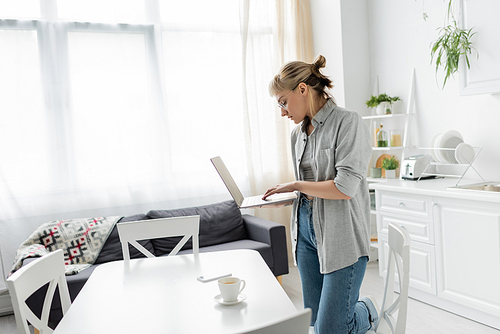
284, 105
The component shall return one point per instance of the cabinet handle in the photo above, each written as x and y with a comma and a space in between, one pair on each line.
401, 203
403, 227
434, 203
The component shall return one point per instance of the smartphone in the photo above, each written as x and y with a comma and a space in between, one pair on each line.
212, 277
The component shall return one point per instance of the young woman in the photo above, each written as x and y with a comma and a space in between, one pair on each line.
331, 218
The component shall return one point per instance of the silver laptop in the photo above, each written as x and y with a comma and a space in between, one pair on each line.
247, 202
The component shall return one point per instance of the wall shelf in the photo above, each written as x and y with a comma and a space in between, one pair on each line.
408, 116
400, 150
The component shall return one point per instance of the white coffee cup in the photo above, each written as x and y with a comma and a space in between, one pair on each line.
230, 288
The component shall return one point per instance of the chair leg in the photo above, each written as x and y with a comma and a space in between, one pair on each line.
280, 279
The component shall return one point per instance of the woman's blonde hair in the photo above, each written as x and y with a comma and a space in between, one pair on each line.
295, 72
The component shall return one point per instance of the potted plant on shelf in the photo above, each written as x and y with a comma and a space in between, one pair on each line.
382, 102
390, 166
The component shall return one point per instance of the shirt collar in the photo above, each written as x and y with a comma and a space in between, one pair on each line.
323, 113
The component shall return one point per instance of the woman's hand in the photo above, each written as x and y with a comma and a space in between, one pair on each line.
280, 188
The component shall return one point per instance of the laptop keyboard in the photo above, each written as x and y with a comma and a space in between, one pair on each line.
254, 200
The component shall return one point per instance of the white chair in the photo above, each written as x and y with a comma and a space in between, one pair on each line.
398, 262
27, 280
130, 232
297, 323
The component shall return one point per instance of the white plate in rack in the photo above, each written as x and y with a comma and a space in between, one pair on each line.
433, 152
437, 151
450, 140
464, 153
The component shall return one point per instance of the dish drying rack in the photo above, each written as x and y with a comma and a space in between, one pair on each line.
442, 169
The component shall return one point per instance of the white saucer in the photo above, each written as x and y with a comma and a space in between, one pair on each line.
241, 297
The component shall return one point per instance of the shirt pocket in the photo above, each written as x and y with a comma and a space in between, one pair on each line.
326, 164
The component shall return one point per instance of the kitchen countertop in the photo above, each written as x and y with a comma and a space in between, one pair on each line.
437, 187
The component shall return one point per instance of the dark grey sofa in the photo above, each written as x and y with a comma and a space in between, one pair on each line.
222, 227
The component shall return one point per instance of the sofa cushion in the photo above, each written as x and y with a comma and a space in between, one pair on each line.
112, 249
219, 223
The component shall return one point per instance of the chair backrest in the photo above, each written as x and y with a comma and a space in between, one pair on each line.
398, 263
27, 280
297, 323
130, 232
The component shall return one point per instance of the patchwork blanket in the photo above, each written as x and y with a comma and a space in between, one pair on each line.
81, 240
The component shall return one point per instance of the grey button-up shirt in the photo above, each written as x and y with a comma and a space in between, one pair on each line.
341, 149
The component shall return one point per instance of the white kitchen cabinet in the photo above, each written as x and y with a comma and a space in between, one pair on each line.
420, 230
455, 244
412, 205
422, 267
468, 253
483, 77
413, 213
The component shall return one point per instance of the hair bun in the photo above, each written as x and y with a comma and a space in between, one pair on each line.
319, 62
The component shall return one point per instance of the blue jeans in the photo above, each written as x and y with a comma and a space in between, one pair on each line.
332, 297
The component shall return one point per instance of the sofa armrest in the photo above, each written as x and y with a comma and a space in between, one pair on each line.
273, 234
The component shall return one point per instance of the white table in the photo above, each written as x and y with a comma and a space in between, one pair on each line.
162, 295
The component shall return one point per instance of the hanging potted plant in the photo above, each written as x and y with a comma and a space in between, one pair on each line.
382, 102
452, 44
390, 166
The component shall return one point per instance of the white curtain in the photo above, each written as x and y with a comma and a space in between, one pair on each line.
268, 135
115, 107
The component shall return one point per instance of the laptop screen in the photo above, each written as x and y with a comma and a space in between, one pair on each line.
228, 180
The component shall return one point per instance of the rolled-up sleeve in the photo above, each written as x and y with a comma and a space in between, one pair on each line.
352, 154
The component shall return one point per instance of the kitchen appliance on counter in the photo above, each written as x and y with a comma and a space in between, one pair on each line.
413, 167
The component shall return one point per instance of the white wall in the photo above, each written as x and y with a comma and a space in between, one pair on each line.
340, 32
399, 40
356, 51
327, 35
403, 39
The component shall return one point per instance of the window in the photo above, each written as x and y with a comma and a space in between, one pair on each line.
124, 100
24, 137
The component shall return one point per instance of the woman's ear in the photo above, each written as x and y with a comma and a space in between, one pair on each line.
303, 89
